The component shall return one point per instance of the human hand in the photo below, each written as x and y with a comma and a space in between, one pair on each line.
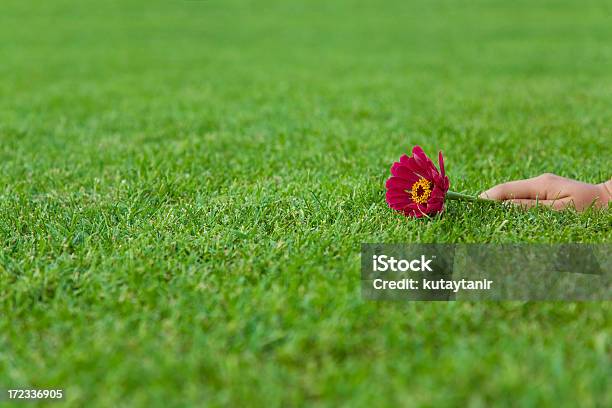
553, 191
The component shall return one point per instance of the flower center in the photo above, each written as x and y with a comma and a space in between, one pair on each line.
421, 190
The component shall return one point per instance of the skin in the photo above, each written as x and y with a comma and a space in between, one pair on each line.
553, 191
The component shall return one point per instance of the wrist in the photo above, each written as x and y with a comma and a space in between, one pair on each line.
606, 193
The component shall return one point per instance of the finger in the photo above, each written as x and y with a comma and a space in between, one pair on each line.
514, 189
558, 205
542, 187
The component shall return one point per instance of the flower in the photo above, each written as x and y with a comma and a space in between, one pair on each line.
416, 187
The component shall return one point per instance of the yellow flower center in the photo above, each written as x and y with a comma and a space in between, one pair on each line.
421, 190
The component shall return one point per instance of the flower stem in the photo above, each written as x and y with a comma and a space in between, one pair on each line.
451, 195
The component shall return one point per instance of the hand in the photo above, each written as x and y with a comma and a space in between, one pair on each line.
553, 191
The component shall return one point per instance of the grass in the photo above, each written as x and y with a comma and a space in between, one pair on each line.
185, 186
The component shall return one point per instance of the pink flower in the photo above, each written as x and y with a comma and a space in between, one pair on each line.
416, 187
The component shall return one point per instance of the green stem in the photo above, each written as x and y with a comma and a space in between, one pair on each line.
451, 195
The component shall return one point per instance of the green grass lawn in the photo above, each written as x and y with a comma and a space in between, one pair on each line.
185, 186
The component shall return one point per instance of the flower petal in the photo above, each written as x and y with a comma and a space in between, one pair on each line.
402, 171
397, 202
397, 198
422, 210
441, 163
424, 162
435, 208
437, 192
398, 183
417, 166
